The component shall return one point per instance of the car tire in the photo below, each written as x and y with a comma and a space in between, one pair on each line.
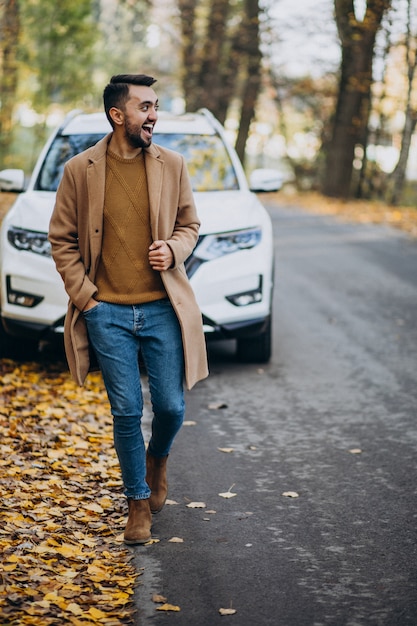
12, 347
5, 342
256, 349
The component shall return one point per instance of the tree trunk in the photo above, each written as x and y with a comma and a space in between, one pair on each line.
190, 62
209, 68
9, 39
212, 72
371, 183
399, 172
253, 74
353, 104
217, 54
398, 175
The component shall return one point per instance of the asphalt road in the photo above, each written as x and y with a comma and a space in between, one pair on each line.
331, 418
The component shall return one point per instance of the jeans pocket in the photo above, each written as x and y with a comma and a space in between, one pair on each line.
92, 311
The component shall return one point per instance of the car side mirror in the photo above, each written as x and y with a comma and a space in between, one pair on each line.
265, 180
12, 180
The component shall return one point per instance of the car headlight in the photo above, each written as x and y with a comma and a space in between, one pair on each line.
29, 240
215, 246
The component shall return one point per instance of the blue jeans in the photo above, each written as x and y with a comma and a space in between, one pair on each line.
118, 333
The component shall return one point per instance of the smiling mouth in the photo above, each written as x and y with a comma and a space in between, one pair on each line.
148, 129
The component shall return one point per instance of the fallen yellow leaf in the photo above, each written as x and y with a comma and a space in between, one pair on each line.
56, 454
217, 405
75, 609
44, 604
69, 550
106, 502
96, 613
82, 445
13, 558
228, 494
168, 607
94, 507
50, 597
69, 573
158, 598
53, 598
290, 494
9, 568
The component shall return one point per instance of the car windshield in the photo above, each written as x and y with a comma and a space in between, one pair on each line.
208, 161
62, 149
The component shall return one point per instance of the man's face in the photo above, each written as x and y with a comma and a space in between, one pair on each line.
140, 115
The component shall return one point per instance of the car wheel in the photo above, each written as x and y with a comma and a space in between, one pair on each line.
16, 347
256, 349
5, 342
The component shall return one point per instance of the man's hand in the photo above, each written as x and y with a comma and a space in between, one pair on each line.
160, 256
90, 304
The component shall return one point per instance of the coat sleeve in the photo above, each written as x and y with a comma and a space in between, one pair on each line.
64, 238
185, 234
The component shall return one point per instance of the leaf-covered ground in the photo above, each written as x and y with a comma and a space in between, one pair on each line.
62, 512
362, 211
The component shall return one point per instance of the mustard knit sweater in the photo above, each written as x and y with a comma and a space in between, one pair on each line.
124, 275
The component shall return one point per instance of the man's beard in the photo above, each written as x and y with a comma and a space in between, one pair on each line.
132, 134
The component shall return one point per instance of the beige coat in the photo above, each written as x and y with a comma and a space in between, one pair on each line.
76, 230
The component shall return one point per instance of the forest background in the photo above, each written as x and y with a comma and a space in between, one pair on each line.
324, 90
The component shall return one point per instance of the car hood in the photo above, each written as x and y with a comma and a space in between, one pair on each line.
224, 211
219, 211
32, 210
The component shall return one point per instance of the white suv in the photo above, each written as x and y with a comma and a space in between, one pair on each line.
231, 268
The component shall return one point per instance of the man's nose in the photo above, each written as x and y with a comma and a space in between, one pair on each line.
153, 114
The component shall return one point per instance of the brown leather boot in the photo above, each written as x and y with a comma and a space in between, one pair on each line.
138, 527
156, 477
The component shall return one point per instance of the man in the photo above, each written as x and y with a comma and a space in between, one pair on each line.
123, 224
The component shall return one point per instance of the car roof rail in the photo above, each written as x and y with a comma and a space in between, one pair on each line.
206, 112
212, 120
69, 116
209, 115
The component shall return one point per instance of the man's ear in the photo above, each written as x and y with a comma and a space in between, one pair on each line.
117, 115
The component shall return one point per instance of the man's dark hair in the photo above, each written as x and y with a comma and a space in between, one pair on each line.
116, 93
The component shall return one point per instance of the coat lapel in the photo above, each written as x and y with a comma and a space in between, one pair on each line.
154, 174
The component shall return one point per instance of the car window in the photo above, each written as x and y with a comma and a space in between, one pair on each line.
62, 149
207, 159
